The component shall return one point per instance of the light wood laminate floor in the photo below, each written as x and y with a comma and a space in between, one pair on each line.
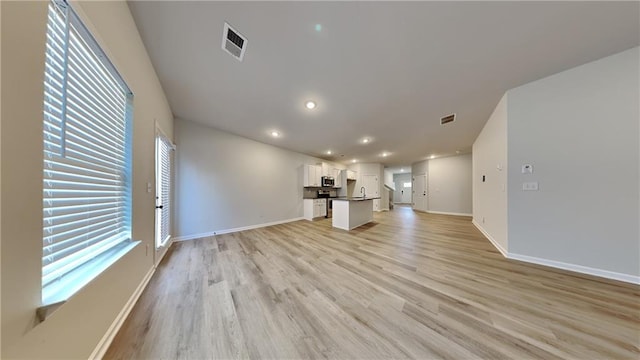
410, 285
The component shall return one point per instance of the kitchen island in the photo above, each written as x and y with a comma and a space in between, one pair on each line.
351, 212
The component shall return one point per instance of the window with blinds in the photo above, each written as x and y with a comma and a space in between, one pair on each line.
163, 191
87, 159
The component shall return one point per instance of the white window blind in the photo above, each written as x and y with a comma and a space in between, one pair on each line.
87, 158
163, 192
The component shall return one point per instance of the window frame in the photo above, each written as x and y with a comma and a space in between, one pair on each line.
70, 282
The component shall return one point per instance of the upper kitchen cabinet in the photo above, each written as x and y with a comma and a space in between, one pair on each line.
311, 175
337, 176
327, 170
352, 175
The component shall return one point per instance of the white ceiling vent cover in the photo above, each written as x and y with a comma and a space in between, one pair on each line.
233, 42
447, 119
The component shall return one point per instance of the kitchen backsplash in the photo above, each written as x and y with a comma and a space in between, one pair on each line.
312, 192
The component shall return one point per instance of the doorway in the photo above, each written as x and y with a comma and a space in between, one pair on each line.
405, 192
164, 159
403, 185
420, 192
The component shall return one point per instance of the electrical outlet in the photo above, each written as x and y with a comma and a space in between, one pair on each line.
530, 186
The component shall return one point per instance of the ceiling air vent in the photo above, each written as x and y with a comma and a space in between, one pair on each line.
233, 42
447, 119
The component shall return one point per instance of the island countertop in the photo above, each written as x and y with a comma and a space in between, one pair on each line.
354, 198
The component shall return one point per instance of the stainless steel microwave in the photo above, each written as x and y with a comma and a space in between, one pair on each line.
328, 181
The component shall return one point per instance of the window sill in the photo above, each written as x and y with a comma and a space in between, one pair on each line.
60, 291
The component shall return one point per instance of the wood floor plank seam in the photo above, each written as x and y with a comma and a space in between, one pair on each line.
407, 286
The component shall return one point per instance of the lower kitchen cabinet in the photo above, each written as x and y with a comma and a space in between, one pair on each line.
314, 208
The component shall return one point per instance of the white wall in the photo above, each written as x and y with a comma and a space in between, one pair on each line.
384, 193
0, 175
75, 329
490, 160
388, 179
420, 168
579, 130
449, 185
227, 182
388, 188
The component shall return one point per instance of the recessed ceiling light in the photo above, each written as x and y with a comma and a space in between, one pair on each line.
366, 140
310, 105
275, 134
318, 27
329, 152
432, 157
457, 151
384, 154
354, 161
401, 170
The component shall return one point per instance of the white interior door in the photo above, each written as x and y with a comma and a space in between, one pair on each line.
420, 192
405, 193
371, 185
397, 193
164, 156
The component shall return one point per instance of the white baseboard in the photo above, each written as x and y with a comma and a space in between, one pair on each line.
559, 264
194, 236
493, 241
577, 268
106, 340
164, 251
448, 213
227, 231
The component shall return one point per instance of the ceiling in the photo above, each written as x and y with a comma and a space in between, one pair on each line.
387, 71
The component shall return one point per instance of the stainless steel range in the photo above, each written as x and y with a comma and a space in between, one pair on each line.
328, 194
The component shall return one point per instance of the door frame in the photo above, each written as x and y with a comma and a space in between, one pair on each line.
160, 251
413, 192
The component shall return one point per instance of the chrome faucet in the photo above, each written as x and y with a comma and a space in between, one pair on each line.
363, 192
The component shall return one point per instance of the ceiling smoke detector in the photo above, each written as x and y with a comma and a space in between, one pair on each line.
233, 42
447, 119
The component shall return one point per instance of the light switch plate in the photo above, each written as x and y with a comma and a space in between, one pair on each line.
530, 186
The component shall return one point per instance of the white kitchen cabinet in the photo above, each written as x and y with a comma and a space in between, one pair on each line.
327, 170
352, 175
311, 175
314, 208
320, 207
309, 208
337, 176
315, 175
